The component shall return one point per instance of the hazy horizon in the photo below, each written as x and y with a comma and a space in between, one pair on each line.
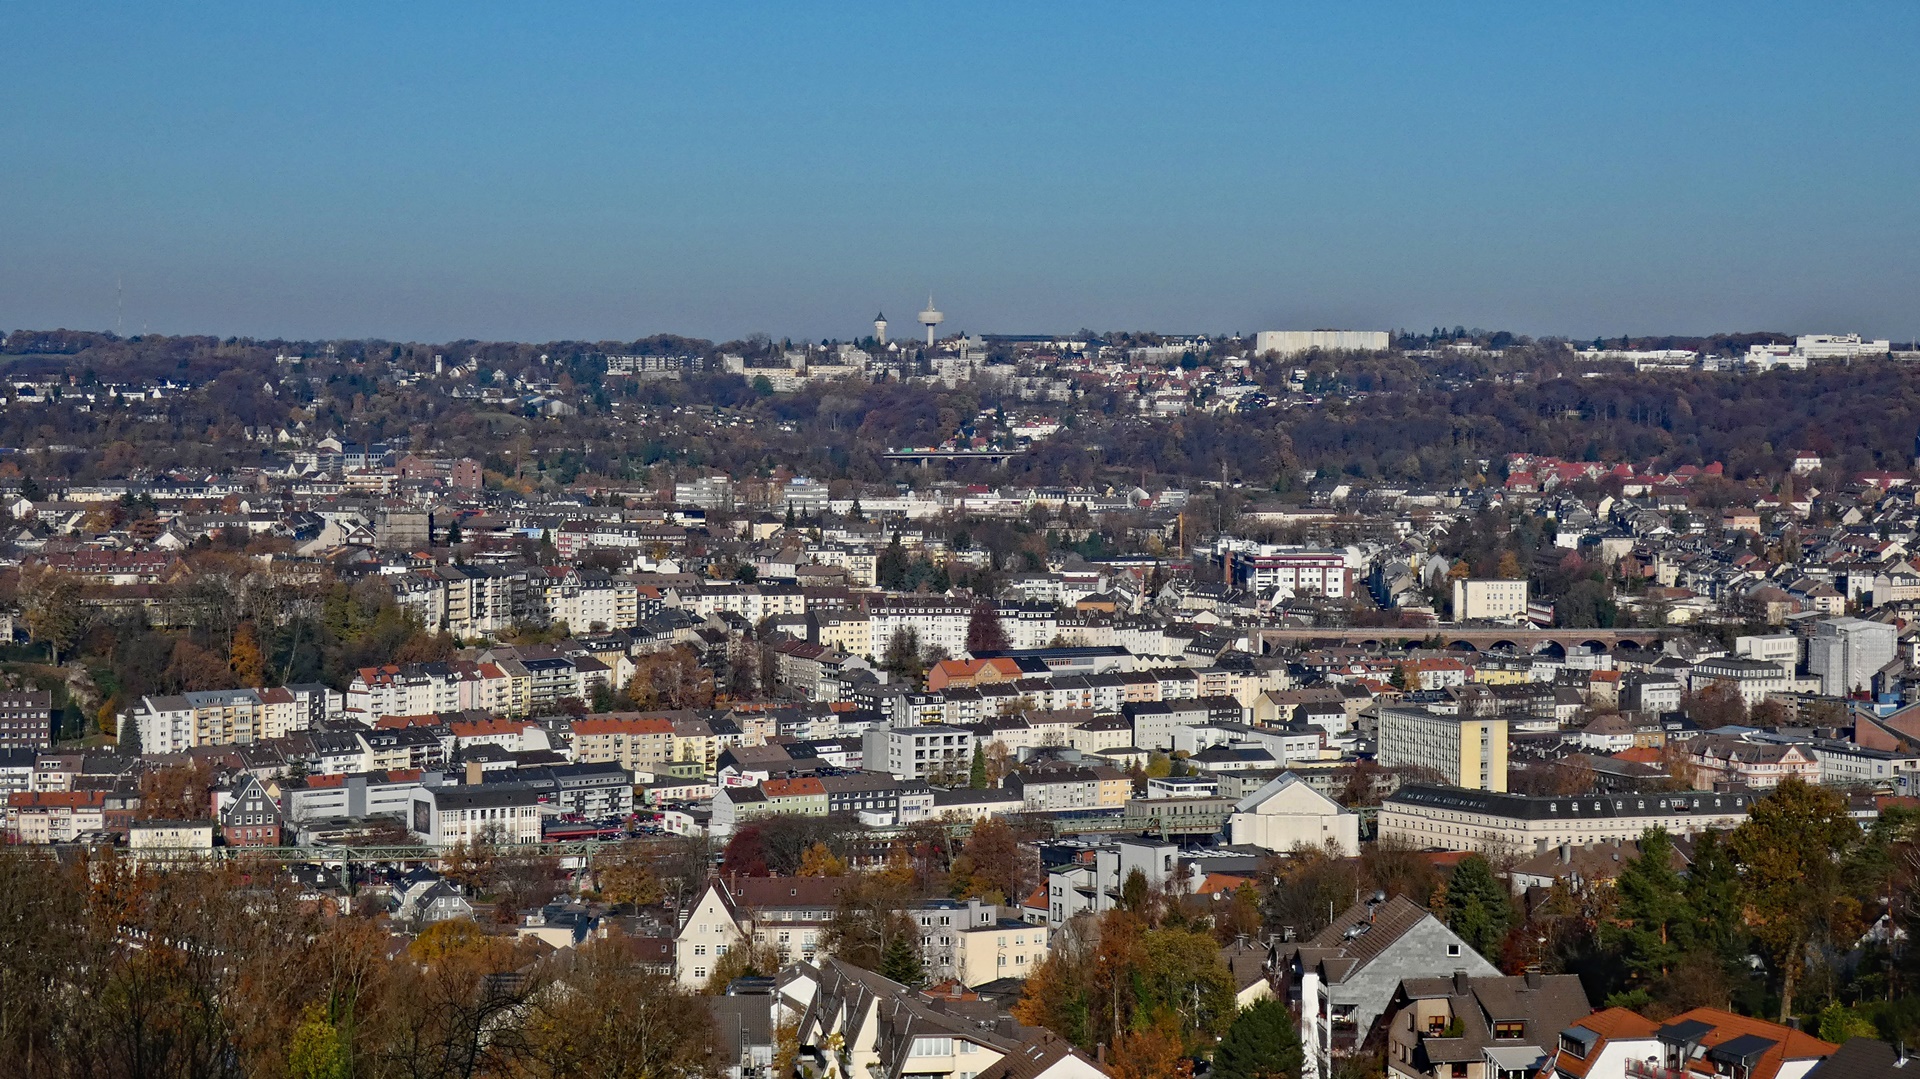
437, 173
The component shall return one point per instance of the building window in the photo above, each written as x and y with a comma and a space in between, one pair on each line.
1453, 949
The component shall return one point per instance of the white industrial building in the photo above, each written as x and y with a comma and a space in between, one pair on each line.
1294, 342
1286, 812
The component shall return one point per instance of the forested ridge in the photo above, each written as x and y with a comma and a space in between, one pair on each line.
1387, 418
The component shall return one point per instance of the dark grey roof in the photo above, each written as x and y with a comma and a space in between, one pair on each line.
1581, 807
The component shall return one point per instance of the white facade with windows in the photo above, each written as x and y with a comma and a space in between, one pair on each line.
1490, 600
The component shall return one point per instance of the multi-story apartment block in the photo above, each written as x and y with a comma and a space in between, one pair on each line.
1845, 652
500, 814
173, 724
636, 742
936, 621
26, 719
418, 689
919, 752
1465, 750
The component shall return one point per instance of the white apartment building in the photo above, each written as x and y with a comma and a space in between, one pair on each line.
584, 602
1464, 750
175, 723
418, 689
937, 621
931, 749
1489, 600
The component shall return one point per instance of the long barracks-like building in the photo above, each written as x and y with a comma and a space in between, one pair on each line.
1450, 818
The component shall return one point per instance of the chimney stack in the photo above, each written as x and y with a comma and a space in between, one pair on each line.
473, 773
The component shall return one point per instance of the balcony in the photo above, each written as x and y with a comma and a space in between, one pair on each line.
1646, 1069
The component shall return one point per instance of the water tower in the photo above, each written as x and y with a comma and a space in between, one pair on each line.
880, 328
931, 318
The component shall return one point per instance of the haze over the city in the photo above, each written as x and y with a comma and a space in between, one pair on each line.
431, 172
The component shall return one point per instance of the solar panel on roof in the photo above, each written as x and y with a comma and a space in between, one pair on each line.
1685, 1033
1741, 1050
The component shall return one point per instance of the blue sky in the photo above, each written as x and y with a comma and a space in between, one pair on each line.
608, 170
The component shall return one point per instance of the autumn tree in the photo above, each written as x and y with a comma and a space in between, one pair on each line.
50, 606
176, 792
610, 1017
244, 658
1310, 885
868, 921
1789, 850
820, 861
624, 873
1058, 994
995, 865
670, 679
1155, 1051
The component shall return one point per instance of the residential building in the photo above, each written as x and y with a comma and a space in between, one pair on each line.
861, 1024
1004, 948
251, 818
38, 817
1489, 600
931, 751
26, 719
1342, 980
170, 840
1445, 818
1720, 761
636, 742
1481, 1028
1464, 750
1753, 679
498, 814
1616, 1044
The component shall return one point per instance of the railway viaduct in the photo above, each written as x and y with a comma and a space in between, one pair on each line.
1473, 639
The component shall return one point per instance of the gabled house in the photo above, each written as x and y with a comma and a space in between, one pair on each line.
1705, 1043
1463, 1027
1343, 979
251, 817
860, 1024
